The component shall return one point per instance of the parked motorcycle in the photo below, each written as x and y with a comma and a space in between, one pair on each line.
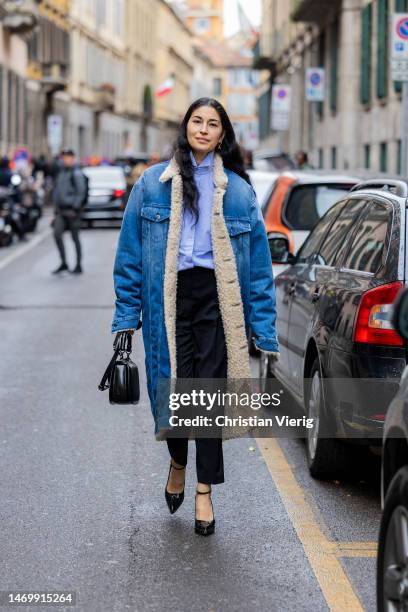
27, 201
6, 230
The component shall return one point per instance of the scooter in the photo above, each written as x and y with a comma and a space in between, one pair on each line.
6, 230
26, 201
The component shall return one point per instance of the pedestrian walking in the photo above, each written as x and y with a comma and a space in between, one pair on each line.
302, 161
69, 195
193, 259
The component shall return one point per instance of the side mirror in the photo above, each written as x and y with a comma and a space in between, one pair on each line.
400, 315
279, 247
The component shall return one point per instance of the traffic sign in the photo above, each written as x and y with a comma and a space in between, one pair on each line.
54, 132
315, 84
280, 107
399, 47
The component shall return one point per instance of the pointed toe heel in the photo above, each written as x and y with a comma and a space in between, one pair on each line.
205, 528
173, 500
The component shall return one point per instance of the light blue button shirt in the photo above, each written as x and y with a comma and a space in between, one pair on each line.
195, 240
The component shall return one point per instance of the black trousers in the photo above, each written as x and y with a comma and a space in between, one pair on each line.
61, 224
201, 353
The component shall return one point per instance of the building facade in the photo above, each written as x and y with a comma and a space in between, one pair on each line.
48, 73
358, 126
205, 18
174, 59
16, 26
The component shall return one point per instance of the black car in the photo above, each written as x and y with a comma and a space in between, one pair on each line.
333, 302
106, 195
392, 563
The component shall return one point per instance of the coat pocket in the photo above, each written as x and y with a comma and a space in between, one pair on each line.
236, 227
155, 221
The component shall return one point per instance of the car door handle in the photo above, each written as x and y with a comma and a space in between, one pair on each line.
316, 295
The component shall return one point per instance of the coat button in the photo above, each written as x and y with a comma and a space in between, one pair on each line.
158, 216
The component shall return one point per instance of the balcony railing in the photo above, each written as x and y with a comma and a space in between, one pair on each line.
19, 16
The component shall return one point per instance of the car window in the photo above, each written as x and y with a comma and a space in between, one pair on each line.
311, 245
104, 175
339, 231
308, 203
262, 186
370, 239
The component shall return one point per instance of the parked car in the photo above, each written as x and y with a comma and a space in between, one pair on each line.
107, 191
299, 199
392, 559
333, 304
292, 207
272, 161
263, 183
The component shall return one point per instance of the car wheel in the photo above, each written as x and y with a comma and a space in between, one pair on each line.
253, 351
392, 562
325, 455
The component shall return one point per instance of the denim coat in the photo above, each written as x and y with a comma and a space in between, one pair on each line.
145, 272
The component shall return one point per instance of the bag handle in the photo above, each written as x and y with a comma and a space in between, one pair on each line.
122, 343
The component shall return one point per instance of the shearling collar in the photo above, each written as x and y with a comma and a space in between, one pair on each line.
220, 177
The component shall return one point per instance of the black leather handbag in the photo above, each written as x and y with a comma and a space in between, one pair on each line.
121, 376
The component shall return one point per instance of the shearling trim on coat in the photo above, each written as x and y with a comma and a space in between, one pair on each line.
229, 292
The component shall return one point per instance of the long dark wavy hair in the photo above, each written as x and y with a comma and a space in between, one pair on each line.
229, 151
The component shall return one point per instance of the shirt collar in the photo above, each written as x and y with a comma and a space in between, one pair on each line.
207, 162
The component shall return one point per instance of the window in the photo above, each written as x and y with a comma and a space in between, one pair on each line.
100, 13
264, 105
310, 247
321, 158
334, 158
201, 25
217, 86
331, 252
398, 168
367, 156
334, 58
382, 48
365, 68
383, 157
308, 203
370, 240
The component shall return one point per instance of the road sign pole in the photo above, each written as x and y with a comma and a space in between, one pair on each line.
404, 130
399, 72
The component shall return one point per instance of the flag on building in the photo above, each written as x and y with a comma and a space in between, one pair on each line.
166, 87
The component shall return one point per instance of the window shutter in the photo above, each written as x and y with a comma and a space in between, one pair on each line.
382, 48
365, 76
321, 53
334, 51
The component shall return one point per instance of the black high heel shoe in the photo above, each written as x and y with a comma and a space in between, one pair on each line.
205, 528
174, 500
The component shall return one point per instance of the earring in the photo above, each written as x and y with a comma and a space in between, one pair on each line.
219, 145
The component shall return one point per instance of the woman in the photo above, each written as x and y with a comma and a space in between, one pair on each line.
193, 257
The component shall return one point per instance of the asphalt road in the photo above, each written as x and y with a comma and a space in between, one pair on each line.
82, 482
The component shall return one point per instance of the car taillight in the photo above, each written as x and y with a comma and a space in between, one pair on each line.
118, 193
373, 324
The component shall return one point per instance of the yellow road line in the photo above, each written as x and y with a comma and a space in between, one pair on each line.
320, 552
